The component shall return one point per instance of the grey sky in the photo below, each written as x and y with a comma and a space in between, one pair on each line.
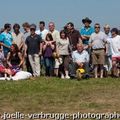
60, 11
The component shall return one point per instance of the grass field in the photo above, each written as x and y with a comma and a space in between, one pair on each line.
56, 95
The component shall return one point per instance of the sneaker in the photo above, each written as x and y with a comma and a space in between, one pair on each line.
67, 77
62, 76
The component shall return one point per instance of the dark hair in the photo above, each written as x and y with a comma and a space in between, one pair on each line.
50, 36
63, 31
7, 25
16, 25
71, 24
16, 50
42, 22
97, 24
26, 24
114, 30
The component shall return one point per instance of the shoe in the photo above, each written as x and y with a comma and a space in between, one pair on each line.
67, 77
62, 77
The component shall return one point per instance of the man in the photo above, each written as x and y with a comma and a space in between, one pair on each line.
26, 28
42, 31
86, 31
6, 39
115, 47
34, 48
55, 33
18, 37
80, 58
97, 41
73, 35
108, 56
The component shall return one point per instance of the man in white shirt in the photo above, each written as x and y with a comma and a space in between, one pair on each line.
55, 33
115, 48
42, 31
80, 57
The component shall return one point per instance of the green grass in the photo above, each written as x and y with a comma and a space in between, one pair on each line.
56, 95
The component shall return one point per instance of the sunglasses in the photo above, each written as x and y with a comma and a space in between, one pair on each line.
97, 27
32, 29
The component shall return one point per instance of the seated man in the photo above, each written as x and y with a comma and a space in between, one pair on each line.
80, 56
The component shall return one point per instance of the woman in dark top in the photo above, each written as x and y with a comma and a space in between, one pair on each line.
14, 58
48, 49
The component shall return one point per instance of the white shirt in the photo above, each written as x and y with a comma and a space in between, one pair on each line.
115, 44
55, 35
80, 57
42, 33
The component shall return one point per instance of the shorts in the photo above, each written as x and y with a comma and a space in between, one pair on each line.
116, 58
98, 57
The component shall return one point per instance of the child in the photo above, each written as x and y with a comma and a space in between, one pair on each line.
48, 50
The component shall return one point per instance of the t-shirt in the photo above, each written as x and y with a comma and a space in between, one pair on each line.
18, 39
88, 32
33, 44
115, 46
42, 33
7, 39
55, 35
63, 46
98, 40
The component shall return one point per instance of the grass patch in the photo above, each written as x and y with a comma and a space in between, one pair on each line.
56, 95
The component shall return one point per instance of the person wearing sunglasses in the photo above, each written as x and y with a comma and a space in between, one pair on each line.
34, 49
97, 42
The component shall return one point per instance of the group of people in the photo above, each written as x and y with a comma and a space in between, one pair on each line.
52, 53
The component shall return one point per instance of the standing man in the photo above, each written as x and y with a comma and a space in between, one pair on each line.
42, 31
97, 42
55, 33
18, 37
34, 48
6, 39
26, 28
73, 35
86, 31
108, 56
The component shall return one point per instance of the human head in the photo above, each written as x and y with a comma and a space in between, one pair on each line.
114, 32
32, 29
107, 29
63, 34
41, 25
51, 26
86, 21
16, 27
14, 48
7, 27
70, 26
49, 37
26, 26
97, 28
80, 47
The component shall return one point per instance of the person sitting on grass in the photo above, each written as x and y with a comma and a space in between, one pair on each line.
4, 71
14, 59
80, 56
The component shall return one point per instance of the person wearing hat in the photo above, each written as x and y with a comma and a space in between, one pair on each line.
86, 31
34, 49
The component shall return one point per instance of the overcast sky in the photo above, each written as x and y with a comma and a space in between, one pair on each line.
60, 11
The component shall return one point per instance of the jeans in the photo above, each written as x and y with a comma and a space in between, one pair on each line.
49, 66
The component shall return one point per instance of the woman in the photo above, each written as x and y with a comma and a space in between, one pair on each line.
48, 49
14, 58
63, 45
